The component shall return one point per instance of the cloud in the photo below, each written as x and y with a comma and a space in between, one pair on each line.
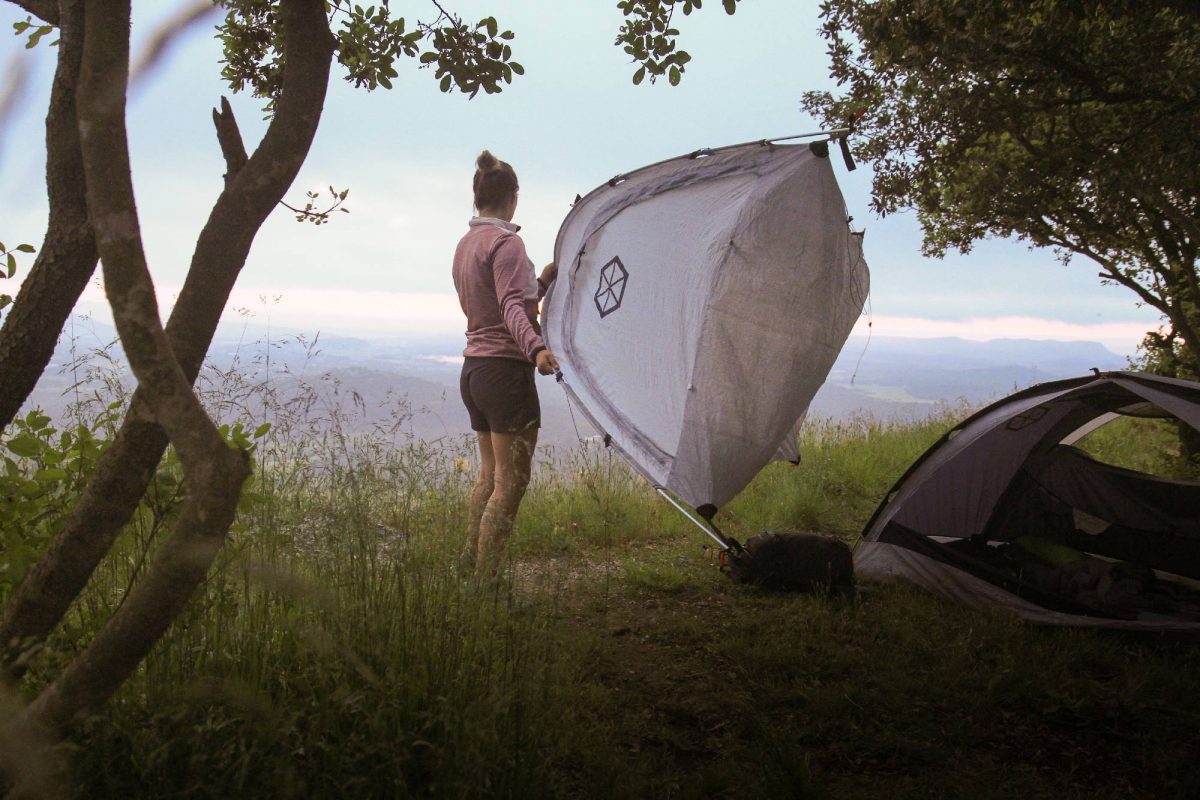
1121, 337
399, 314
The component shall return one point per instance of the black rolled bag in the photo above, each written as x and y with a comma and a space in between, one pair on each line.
812, 563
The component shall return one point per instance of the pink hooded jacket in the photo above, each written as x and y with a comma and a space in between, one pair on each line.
498, 291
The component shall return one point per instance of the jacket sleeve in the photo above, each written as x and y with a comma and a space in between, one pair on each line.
512, 273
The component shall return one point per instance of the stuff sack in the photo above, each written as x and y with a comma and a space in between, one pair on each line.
798, 562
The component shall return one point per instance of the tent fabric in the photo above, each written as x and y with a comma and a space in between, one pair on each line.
700, 304
1005, 473
881, 560
1119, 496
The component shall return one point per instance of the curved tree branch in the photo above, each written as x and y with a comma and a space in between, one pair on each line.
67, 258
213, 472
124, 470
229, 136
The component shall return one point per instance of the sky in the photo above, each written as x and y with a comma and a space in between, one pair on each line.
570, 123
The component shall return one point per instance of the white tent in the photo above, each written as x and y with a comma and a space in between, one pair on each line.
700, 304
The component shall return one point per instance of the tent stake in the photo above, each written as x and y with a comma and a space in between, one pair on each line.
718, 538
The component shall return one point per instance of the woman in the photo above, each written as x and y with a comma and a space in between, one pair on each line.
499, 294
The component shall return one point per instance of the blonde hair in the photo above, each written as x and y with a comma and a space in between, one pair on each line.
494, 181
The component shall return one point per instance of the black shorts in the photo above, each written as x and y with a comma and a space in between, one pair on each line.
500, 394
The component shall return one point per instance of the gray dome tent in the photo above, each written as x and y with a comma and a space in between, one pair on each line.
1004, 512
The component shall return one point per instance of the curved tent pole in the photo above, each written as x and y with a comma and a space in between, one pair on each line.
831, 134
726, 543
707, 525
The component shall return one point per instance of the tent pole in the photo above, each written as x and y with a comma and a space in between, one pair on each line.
718, 538
832, 133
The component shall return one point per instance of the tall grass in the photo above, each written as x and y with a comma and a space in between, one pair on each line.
337, 650
845, 469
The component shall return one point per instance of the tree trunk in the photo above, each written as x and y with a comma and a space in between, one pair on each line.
213, 472
126, 468
68, 254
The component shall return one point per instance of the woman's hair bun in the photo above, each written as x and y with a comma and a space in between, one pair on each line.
486, 161
494, 181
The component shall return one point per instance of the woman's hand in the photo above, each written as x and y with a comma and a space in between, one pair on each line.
547, 364
548, 274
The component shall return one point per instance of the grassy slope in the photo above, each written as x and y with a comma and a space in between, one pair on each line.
337, 653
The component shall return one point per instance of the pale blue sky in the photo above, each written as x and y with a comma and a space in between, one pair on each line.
571, 122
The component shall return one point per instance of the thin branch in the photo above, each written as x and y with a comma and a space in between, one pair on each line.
13, 91
229, 137
444, 13
187, 18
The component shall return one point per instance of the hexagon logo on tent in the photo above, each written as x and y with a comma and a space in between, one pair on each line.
611, 290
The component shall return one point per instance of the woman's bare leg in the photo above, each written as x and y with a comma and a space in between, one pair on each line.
513, 460
480, 493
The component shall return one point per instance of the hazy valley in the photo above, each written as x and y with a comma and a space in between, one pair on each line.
365, 382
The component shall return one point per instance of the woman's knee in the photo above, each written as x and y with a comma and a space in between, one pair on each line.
511, 486
485, 482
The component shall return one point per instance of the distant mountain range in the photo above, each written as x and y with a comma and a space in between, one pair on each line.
414, 382
907, 377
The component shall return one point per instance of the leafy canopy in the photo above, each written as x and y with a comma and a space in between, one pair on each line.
369, 42
1065, 123
466, 56
649, 39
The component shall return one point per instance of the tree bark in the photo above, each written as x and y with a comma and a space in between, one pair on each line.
68, 255
213, 472
124, 471
45, 10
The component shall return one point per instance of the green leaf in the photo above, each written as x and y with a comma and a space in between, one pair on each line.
25, 248
50, 474
730, 6
445, 84
24, 445
517, 68
639, 76
673, 76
